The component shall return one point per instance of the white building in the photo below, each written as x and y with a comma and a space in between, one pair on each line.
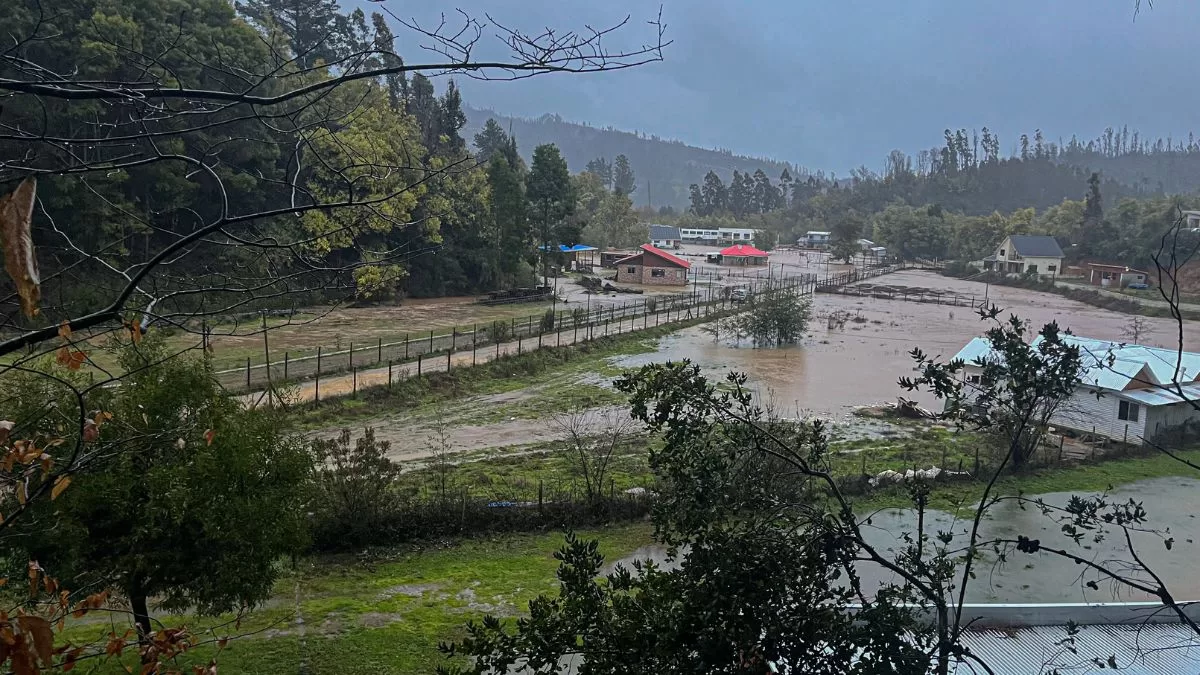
699, 236
1022, 253
665, 236
1126, 392
736, 235
814, 239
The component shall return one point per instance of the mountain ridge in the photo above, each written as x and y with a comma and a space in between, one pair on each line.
665, 168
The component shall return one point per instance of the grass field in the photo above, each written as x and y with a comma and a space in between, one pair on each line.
385, 613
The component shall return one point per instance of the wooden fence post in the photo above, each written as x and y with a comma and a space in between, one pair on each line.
379, 351
420, 357
248, 372
317, 391
406, 346
285, 365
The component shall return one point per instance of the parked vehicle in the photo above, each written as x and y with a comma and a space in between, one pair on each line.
1138, 286
739, 294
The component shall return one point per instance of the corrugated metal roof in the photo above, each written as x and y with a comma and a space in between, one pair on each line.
1114, 365
666, 256
975, 352
664, 232
1151, 649
743, 250
1152, 397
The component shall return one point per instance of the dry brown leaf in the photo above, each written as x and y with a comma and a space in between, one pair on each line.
21, 493
64, 330
20, 261
59, 485
41, 633
6, 427
208, 436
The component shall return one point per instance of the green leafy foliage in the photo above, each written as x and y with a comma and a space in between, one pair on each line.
189, 499
1021, 384
354, 491
746, 587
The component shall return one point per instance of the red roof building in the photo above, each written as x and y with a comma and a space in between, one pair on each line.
743, 255
653, 266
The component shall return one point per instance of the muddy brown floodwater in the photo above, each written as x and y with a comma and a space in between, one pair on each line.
1043, 577
837, 369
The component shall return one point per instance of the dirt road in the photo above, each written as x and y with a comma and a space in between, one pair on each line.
342, 385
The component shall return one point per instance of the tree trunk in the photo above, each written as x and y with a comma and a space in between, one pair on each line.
141, 618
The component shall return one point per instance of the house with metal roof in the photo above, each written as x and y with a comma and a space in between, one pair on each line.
1026, 254
743, 255
665, 236
1101, 274
1126, 392
653, 266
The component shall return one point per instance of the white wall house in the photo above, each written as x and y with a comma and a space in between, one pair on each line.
1022, 253
1126, 392
736, 235
665, 236
814, 239
699, 236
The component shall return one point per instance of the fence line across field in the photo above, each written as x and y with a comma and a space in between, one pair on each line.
594, 321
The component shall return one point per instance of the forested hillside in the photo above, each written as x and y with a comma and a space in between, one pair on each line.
664, 167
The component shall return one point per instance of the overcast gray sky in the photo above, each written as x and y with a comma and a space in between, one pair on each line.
831, 85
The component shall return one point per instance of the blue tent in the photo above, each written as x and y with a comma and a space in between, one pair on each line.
563, 248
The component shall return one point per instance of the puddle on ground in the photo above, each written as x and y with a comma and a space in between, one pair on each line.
1171, 503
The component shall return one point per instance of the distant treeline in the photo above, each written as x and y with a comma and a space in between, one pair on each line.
665, 167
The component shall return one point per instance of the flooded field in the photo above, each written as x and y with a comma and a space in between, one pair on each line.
1043, 577
839, 368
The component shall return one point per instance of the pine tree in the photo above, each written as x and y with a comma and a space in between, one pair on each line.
623, 180
385, 43
741, 195
451, 120
602, 169
766, 196
551, 202
510, 224
316, 29
490, 141
423, 105
699, 208
716, 196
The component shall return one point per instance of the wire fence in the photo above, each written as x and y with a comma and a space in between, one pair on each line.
420, 352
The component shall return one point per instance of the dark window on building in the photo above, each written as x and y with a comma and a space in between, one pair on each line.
658, 273
973, 379
1128, 411
1053, 268
631, 270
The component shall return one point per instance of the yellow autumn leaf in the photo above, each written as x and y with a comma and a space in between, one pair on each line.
59, 485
